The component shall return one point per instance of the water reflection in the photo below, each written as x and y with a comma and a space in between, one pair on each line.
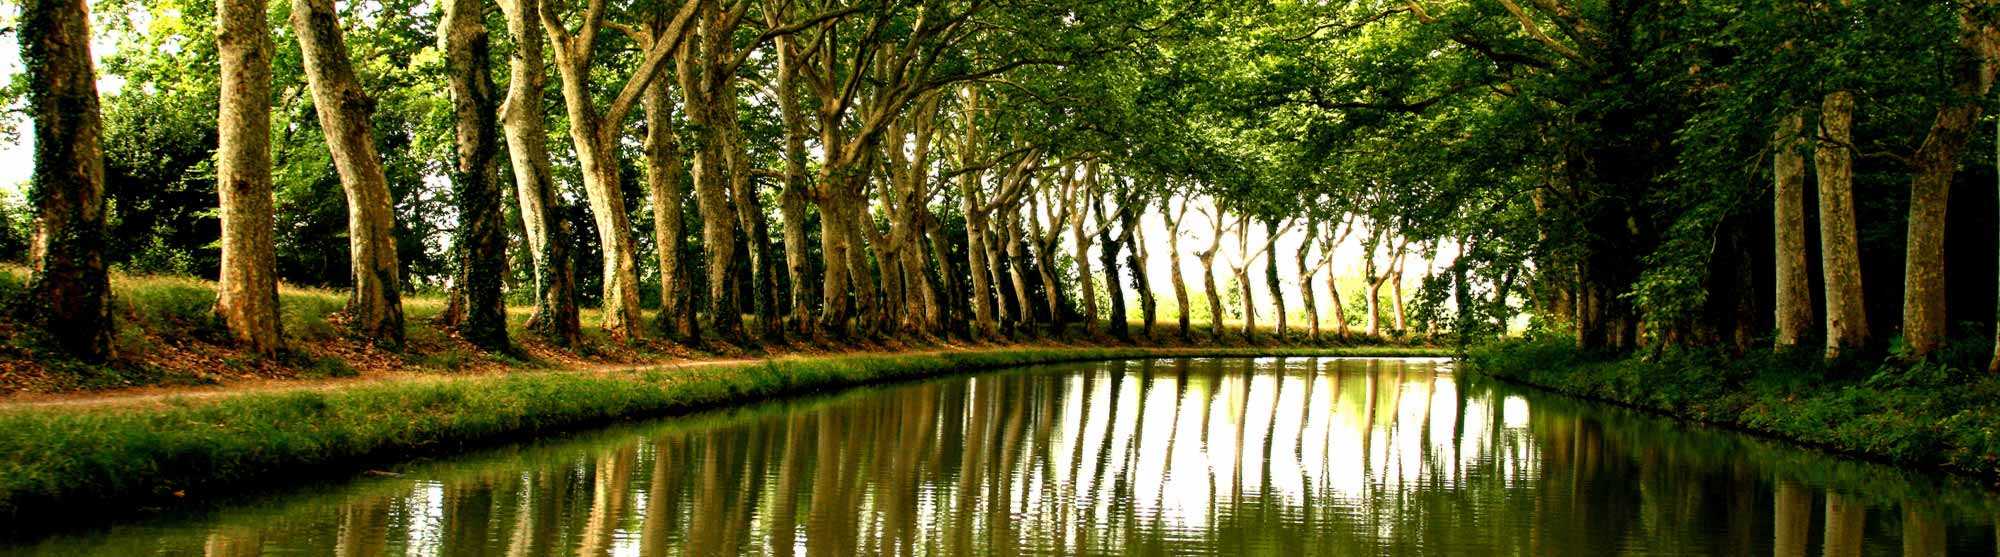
1226, 457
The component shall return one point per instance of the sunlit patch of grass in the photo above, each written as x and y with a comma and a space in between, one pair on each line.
303, 312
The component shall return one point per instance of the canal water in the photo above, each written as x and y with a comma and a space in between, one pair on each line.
1273, 456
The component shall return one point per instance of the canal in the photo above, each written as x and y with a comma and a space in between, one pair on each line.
1274, 456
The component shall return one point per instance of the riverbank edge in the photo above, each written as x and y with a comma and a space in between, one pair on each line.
64, 460
1923, 427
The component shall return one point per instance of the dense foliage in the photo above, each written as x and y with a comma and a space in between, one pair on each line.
1625, 173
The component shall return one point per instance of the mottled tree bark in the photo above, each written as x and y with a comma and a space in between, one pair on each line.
1934, 163
247, 286
837, 307
751, 220
665, 170
70, 285
555, 314
984, 324
595, 134
1840, 252
905, 200
792, 201
701, 92
1788, 164
375, 309
479, 311
867, 292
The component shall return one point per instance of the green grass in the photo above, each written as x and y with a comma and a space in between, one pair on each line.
1936, 414
68, 457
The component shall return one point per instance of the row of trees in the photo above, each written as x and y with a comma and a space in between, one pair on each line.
936, 169
1637, 171
1618, 170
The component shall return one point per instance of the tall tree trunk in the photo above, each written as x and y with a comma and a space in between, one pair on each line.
1017, 263
1339, 307
1935, 162
867, 292
1306, 273
890, 256
984, 325
696, 61
596, 134
1208, 279
837, 307
665, 169
1045, 267
1396, 293
555, 315
1240, 271
1174, 273
1461, 295
1993, 365
1271, 276
70, 284
1135, 264
952, 296
1116, 292
1374, 281
1003, 292
1788, 164
375, 309
792, 201
1249, 301
247, 287
1840, 253
482, 236
749, 215
1087, 284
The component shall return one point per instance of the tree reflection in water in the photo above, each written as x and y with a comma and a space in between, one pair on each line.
1227, 457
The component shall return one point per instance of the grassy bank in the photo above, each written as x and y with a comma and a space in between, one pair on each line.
1938, 414
153, 453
